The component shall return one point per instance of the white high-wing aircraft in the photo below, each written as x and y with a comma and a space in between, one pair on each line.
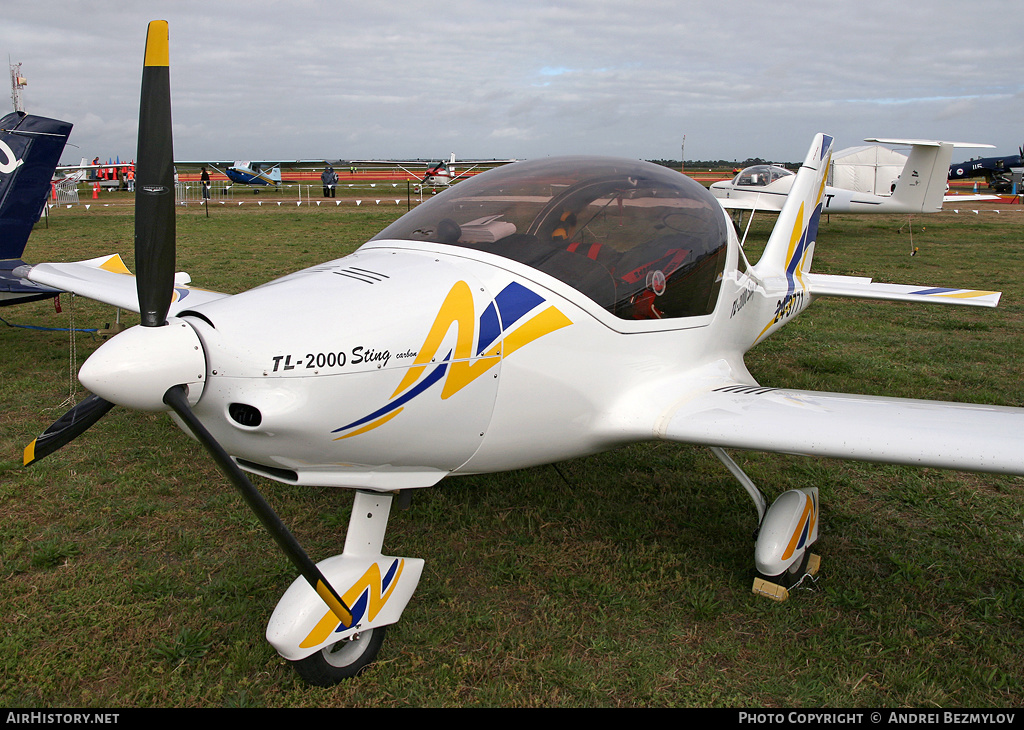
921, 187
254, 173
438, 174
537, 312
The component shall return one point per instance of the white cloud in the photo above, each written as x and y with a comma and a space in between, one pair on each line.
529, 79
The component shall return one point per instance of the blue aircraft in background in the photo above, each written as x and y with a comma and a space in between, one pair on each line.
995, 170
254, 173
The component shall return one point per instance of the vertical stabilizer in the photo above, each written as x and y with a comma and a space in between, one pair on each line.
922, 184
30, 148
791, 244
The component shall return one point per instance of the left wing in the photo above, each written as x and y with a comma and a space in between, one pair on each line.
961, 436
106, 279
862, 287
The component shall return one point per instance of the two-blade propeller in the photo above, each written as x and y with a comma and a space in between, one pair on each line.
154, 261
154, 229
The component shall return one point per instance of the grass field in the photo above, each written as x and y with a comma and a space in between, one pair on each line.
132, 575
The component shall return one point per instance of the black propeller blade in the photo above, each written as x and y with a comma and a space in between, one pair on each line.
154, 187
66, 428
177, 399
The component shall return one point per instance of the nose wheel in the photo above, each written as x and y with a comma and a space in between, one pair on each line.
342, 660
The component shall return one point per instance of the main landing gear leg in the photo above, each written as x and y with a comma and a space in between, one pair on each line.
786, 530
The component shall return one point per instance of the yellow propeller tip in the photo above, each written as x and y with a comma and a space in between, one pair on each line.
157, 44
30, 453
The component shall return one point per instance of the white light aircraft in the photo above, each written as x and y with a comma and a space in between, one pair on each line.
921, 187
439, 174
82, 172
545, 310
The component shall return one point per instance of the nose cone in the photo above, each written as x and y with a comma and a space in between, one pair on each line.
137, 367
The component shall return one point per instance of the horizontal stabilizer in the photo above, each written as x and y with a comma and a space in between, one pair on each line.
925, 142
106, 279
15, 290
857, 287
767, 203
921, 433
968, 198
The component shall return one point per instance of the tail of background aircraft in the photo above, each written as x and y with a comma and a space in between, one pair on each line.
922, 184
30, 148
783, 273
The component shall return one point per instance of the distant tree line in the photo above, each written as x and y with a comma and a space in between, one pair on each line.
720, 164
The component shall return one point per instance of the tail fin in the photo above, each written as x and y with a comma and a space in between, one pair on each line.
30, 148
922, 183
790, 247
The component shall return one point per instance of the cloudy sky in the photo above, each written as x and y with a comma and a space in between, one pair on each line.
346, 79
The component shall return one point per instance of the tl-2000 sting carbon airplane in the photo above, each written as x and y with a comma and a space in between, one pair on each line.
534, 313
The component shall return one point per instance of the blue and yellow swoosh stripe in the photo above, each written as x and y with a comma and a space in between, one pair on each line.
494, 333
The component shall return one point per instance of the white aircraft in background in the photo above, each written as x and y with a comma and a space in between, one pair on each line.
542, 311
80, 172
439, 174
921, 187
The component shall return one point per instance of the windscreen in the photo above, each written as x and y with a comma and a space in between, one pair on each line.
639, 239
761, 175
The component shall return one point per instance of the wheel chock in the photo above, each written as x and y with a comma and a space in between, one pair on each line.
770, 590
780, 593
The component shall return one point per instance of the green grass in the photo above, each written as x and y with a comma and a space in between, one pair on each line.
132, 575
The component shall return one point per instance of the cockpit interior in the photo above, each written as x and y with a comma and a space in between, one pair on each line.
639, 239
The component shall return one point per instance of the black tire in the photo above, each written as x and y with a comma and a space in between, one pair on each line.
792, 575
342, 660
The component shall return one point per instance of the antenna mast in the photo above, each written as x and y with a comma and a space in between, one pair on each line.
17, 82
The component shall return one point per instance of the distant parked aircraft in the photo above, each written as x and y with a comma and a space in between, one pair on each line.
995, 170
439, 174
921, 187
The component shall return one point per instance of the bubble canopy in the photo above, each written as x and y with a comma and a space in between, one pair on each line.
761, 175
639, 239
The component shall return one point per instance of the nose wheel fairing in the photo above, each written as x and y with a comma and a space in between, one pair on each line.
375, 587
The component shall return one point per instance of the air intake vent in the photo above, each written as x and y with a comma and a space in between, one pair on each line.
364, 275
284, 475
245, 415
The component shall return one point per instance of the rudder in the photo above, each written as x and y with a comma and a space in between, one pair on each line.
30, 148
790, 247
